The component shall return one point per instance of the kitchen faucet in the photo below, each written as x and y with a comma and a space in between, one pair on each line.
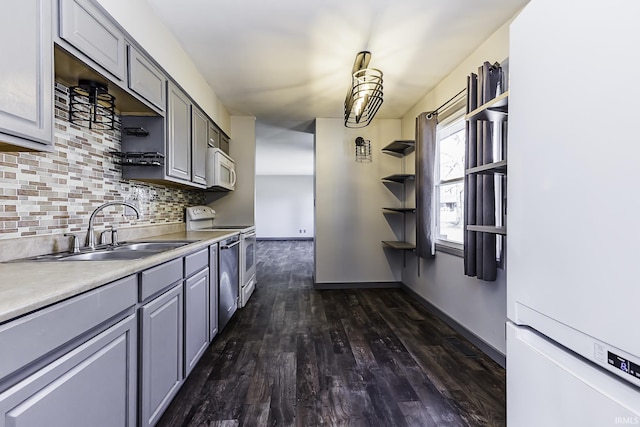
91, 238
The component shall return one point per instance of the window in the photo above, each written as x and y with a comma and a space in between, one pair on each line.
449, 191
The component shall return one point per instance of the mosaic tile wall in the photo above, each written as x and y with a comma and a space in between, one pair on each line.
54, 193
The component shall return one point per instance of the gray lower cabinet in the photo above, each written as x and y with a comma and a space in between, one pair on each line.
178, 154
161, 350
26, 75
200, 140
213, 291
91, 385
196, 318
86, 28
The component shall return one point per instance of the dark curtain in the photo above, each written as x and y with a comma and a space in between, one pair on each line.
425, 164
479, 190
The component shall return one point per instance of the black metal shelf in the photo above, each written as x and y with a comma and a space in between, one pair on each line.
403, 246
139, 159
489, 169
400, 147
399, 177
401, 210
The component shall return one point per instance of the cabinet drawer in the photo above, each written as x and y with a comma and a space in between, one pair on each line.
86, 28
195, 262
146, 80
159, 278
41, 332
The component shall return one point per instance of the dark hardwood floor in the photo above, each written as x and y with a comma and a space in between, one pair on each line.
295, 356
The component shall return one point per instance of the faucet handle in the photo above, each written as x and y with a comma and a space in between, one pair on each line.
103, 236
114, 236
75, 242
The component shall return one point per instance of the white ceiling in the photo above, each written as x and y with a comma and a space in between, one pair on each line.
290, 60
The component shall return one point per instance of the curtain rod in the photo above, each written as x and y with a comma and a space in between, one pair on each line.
448, 101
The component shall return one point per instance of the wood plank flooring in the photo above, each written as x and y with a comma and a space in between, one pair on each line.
295, 356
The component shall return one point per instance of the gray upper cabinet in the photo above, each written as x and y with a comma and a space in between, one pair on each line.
224, 143
146, 79
214, 135
87, 29
178, 155
26, 76
200, 126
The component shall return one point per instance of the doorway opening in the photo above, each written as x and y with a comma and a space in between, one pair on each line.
285, 181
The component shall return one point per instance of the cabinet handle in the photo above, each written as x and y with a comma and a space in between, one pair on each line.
230, 246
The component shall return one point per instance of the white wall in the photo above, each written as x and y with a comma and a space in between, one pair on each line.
478, 306
284, 180
238, 207
139, 19
284, 206
350, 224
284, 149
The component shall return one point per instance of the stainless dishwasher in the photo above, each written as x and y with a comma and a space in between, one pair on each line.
228, 280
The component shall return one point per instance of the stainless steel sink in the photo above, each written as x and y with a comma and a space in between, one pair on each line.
125, 251
151, 246
116, 255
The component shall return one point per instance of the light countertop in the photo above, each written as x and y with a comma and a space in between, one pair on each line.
30, 285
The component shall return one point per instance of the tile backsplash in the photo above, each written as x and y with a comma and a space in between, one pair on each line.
54, 193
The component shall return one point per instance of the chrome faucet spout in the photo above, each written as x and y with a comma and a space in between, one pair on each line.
91, 238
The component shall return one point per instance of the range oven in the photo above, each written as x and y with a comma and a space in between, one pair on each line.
201, 218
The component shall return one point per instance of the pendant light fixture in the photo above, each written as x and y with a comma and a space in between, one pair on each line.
364, 96
91, 106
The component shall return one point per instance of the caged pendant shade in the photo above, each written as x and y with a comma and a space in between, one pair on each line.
91, 106
364, 96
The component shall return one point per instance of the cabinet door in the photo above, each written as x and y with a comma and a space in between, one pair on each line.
26, 75
178, 156
87, 29
146, 80
224, 143
160, 354
200, 126
214, 135
196, 318
213, 291
92, 385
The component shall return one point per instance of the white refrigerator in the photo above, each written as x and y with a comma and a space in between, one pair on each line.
573, 215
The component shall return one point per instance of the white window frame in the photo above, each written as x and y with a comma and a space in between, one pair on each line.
444, 245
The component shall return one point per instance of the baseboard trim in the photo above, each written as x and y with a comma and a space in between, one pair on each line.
486, 348
356, 285
284, 239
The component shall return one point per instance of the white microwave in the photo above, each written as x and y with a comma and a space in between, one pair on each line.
221, 170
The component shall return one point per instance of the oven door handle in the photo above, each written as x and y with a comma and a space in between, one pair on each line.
250, 234
230, 246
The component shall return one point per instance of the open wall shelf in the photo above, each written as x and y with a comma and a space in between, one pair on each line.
401, 210
404, 246
399, 177
400, 147
495, 110
489, 169
488, 229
